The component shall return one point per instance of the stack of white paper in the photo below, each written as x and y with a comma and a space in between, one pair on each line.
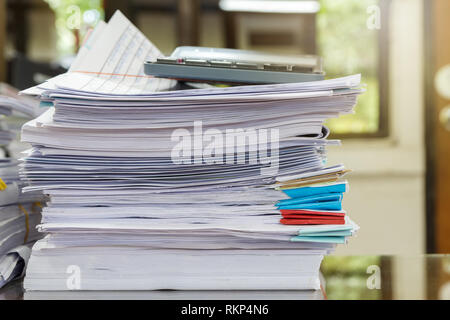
155, 188
13, 104
19, 212
19, 215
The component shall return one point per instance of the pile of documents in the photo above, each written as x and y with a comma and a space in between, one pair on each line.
11, 102
19, 212
155, 188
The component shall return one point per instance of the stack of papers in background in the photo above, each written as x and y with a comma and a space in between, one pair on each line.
13, 264
11, 103
141, 196
19, 212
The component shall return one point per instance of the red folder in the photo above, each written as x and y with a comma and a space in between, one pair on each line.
311, 221
285, 212
310, 217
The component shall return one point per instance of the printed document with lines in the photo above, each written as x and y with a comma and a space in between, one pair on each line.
152, 187
111, 61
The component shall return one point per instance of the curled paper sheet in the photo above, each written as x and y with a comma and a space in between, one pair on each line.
13, 264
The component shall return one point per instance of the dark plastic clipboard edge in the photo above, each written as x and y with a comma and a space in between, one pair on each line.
226, 75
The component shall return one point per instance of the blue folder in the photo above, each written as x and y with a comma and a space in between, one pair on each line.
311, 199
329, 205
310, 191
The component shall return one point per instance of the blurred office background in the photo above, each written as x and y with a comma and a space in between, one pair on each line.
396, 143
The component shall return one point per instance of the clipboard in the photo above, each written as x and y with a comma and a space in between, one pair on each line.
232, 66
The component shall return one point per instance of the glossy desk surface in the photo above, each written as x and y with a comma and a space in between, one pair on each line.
344, 277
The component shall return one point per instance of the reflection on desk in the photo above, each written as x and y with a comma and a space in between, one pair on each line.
344, 277
387, 277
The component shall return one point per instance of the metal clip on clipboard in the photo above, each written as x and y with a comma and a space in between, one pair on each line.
235, 66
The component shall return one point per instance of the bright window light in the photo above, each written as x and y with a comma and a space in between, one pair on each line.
270, 6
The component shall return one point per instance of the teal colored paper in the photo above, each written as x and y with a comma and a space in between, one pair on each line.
325, 228
345, 233
45, 104
318, 239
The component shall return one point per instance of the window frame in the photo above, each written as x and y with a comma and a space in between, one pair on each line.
383, 130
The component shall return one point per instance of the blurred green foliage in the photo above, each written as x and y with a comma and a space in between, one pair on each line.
348, 46
74, 16
346, 277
